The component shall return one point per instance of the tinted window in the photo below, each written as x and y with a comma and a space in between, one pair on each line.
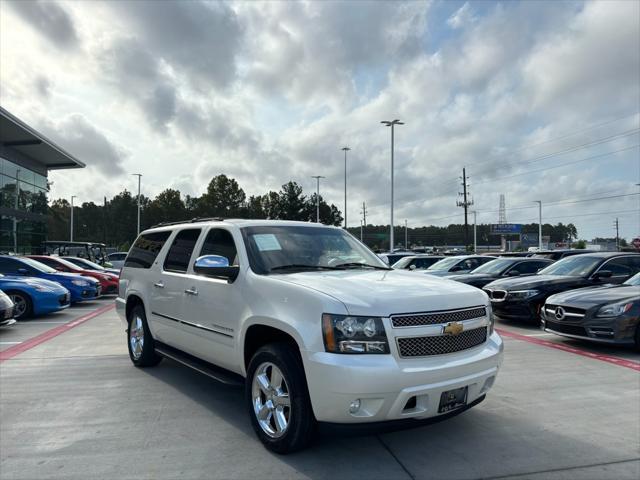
528, 267
634, 262
146, 249
9, 265
117, 256
425, 262
181, 249
220, 242
618, 267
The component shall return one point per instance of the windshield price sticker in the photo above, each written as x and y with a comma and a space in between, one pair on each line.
267, 242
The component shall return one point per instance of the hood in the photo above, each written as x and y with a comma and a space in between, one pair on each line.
383, 293
34, 281
534, 281
468, 277
589, 297
440, 273
68, 277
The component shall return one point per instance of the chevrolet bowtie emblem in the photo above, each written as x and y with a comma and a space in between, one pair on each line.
453, 328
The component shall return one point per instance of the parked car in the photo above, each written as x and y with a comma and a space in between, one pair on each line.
316, 338
522, 298
416, 262
392, 257
108, 281
89, 265
501, 268
558, 254
34, 296
6, 310
456, 265
80, 288
608, 314
96, 252
116, 259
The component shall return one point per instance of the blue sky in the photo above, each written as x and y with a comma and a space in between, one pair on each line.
538, 100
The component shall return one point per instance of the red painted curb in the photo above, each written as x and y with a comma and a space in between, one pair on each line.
559, 346
49, 334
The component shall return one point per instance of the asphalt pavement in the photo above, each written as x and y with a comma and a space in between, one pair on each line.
73, 406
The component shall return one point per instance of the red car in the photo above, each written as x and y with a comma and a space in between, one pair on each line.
108, 281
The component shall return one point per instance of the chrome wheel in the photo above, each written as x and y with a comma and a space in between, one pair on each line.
271, 401
20, 305
136, 337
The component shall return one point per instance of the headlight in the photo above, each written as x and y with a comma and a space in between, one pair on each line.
348, 334
614, 310
523, 294
80, 283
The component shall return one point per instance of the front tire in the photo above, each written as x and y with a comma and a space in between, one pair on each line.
278, 399
139, 340
23, 306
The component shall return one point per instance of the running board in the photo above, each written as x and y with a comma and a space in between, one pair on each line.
206, 368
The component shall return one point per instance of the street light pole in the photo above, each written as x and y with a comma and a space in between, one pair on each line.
139, 175
475, 237
15, 218
71, 232
406, 235
391, 124
539, 202
345, 150
317, 177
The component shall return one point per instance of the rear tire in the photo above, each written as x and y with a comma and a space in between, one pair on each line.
277, 397
139, 340
23, 305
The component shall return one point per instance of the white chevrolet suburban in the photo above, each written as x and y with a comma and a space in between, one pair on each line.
314, 324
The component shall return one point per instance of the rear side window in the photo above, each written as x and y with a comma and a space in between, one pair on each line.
146, 249
220, 242
181, 249
529, 267
618, 267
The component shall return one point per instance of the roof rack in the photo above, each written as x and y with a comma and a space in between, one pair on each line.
193, 220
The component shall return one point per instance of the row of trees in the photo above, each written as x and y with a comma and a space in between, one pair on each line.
115, 221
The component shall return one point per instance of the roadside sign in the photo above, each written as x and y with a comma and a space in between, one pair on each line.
506, 228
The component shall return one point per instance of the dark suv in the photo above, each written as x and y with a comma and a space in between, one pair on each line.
501, 268
522, 298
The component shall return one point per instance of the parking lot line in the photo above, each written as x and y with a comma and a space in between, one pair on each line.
49, 334
9, 343
559, 346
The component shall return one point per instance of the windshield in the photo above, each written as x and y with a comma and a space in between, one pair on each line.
84, 263
494, 266
576, 266
281, 248
444, 264
41, 267
635, 280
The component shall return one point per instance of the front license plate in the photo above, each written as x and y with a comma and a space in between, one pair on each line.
452, 399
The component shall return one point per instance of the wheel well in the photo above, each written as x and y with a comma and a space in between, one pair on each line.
260, 335
21, 292
132, 301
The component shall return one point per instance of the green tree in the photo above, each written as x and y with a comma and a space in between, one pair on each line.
223, 198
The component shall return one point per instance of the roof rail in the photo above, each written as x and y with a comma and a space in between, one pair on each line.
193, 220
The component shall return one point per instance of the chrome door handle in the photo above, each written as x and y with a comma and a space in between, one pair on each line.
158, 285
191, 291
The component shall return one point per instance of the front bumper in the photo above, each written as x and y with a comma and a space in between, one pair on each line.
51, 302
517, 309
384, 384
612, 330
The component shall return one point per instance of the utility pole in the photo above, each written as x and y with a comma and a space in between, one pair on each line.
617, 225
363, 220
539, 202
475, 236
391, 124
317, 177
345, 150
71, 232
406, 236
361, 230
465, 204
139, 175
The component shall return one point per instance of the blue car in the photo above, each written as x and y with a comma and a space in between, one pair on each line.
34, 296
81, 288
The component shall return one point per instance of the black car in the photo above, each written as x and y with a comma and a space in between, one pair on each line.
501, 268
459, 264
559, 254
417, 262
608, 314
522, 298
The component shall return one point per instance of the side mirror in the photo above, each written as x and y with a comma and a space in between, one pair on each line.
412, 267
513, 273
603, 274
216, 266
23, 271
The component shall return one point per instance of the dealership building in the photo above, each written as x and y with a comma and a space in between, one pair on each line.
26, 157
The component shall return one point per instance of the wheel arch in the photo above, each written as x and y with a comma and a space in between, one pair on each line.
263, 332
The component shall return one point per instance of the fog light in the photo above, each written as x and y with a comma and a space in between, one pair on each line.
354, 406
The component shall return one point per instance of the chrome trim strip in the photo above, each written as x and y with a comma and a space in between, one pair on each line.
194, 325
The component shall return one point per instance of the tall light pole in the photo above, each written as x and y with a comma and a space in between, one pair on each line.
15, 218
345, 150
406, 235
475, 237
539, 202
391, 124
71, 232
139, 175
317, 177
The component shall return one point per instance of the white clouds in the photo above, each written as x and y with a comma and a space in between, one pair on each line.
49, 19
269, 91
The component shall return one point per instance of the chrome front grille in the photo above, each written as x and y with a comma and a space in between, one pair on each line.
434, 318
441, 344
560, 312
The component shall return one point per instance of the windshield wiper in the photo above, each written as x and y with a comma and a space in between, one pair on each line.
297, 266
361, 265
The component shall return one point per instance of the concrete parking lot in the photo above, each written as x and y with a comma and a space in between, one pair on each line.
73, 406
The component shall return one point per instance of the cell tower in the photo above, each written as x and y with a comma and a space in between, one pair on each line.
502, 215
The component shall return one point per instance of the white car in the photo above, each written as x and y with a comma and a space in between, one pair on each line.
116, 259
313, 337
